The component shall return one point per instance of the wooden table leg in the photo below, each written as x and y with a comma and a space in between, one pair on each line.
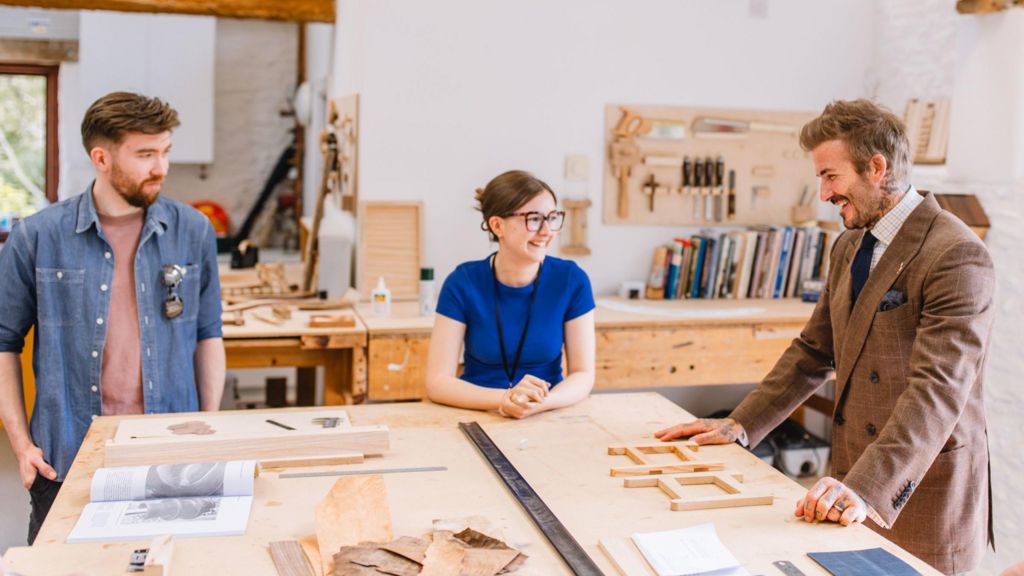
305, 386
337, 377
360, 387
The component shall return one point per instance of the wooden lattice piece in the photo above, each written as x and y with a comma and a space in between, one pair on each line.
734, 496
689, 460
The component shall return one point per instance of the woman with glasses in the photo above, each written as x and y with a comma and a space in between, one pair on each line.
514, 311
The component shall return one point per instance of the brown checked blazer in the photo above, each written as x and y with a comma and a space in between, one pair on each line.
910, 438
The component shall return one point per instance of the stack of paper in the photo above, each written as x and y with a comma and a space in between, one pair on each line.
688, 551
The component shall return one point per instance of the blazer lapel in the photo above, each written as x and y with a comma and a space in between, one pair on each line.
896, 259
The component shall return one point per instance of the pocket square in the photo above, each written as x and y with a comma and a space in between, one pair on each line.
892, 299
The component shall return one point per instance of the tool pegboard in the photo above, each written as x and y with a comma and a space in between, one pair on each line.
685, 166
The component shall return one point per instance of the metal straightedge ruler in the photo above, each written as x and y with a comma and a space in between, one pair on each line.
567, 546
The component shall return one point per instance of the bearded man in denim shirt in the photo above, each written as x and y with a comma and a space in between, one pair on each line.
122, 287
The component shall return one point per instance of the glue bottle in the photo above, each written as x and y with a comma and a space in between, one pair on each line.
426, 291
381, 298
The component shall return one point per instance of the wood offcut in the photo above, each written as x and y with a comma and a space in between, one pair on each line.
685, 452
734, 493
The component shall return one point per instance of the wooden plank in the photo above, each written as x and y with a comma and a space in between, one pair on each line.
726, 501
389, 247
159, 557
625, 556
654, 469
289, 10
300, 462
355, 510
289, 559
38, 51
364, 439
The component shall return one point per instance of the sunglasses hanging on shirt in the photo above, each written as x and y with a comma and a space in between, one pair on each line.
171, 276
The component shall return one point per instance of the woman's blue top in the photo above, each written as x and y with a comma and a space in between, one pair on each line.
467, 296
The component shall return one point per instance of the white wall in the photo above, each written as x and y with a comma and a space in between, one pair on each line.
927, 50
456, 91
255, 71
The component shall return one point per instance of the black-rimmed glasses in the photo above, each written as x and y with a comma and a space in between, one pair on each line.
533, 219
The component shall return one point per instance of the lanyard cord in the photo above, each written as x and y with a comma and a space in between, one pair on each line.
501, 335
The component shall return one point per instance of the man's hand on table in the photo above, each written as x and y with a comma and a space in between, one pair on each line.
831, 500
707, 430
31, 462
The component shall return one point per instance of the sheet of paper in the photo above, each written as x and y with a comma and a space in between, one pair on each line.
688, 551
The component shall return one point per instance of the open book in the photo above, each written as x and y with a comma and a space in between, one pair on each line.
139, 502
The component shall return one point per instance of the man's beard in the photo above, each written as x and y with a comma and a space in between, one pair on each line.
133, 192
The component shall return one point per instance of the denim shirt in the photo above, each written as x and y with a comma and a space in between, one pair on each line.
56, 271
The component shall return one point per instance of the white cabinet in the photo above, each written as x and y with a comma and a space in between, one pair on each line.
167, 56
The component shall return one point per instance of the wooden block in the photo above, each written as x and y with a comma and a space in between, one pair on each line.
727, 501
625, 556
326, 460
332, 321
686, 452
355, 510
654, 469
289, 559
282, 311
158, 559
276, 444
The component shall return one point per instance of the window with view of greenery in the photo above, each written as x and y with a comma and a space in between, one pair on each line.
24, 151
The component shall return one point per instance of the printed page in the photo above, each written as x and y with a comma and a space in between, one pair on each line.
688, 551
173, 481
137, 520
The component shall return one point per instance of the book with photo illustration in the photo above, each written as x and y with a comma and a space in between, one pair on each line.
140, 502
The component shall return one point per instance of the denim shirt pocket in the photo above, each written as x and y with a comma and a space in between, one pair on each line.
188, 291
60, 294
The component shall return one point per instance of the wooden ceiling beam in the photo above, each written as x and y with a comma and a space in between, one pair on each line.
290, 10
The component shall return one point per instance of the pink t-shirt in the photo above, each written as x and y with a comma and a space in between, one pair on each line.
121, 373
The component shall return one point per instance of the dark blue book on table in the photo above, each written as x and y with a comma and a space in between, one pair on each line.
870, 562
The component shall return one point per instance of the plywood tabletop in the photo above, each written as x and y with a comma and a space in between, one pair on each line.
563, 455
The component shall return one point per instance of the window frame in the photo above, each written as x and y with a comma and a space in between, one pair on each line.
51, 72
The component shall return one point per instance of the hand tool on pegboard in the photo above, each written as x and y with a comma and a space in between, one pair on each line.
698, 188
719, 188
732, 194
709, 183
624, 153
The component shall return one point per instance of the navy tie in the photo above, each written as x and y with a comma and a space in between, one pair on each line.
862, 264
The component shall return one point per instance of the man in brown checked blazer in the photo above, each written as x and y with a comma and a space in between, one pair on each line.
904, 323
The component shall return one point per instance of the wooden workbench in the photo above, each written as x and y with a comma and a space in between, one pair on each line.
341, 351
562, 454
640, 343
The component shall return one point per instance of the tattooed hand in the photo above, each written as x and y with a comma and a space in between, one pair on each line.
829, 499
707, 430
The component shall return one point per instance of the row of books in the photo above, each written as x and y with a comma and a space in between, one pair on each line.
760, 262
